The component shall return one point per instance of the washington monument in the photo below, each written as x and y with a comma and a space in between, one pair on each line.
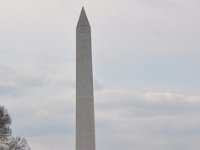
85, 126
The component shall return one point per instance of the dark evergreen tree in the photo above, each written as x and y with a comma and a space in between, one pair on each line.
5, 122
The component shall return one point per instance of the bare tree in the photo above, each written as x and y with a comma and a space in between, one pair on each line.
7, 141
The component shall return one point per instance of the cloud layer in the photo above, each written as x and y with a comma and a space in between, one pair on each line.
146, 76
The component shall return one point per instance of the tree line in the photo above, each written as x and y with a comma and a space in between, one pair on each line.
7, 140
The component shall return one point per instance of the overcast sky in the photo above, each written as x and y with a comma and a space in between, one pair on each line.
146, 56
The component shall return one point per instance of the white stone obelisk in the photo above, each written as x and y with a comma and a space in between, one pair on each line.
85, 124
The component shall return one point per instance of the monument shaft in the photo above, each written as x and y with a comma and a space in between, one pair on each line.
85, 126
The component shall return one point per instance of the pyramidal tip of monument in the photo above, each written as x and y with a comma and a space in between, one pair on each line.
83, 21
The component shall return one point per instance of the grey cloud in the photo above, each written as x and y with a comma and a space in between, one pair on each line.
160, 4
6, 90
116, 122
31, 82
162, 119
146, 104
181, 131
